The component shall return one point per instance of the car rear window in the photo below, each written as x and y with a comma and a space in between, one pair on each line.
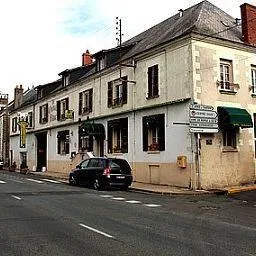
120, 163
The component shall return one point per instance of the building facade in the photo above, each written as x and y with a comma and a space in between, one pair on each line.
138, 106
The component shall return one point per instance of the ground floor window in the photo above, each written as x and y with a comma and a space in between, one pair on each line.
118, 136
63, 142
229, 134
154, 133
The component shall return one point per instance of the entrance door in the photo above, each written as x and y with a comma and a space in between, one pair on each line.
41, 150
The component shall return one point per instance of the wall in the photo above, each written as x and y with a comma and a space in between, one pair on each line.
219, 167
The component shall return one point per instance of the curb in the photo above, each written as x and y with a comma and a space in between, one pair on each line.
240, 189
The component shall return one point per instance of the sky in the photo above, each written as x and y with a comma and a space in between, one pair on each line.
41, 38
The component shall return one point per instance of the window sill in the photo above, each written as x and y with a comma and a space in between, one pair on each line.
117, 154
229, 149
152, 97
229, 92
153, 152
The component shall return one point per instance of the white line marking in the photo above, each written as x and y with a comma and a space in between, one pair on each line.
52, 181
152, 205
16, 197
118, 198
106, 196
37, 181
2, 182
133, 202
96, 230
18, 181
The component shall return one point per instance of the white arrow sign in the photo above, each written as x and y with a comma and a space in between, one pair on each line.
201, 107
204, 125
203, 120
202, 113
203, 130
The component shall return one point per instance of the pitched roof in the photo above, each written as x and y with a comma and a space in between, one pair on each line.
203, 18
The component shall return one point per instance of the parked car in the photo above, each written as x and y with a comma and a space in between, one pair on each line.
101, 172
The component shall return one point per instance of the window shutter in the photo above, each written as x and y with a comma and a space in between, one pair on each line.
149, 81
124, 84
40, 114
155, 78
161, 126
145, 134
67, 147
46, 112
90, 100
80, 103
110, 89
58, 142
67, 103
58, 110
110, 131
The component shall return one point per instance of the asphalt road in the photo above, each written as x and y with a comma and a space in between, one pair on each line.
46, 217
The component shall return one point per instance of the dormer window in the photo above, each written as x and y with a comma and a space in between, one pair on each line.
40, 93
65, 79
102, 63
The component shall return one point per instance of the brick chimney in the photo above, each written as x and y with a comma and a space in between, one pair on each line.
18, 96
86, 58
248, 15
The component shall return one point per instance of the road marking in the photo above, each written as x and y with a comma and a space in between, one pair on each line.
96, 230
2, 182
16, 197
118, 198
37, 181
52, 181
106, 196
152, 205
133, 202
18, 181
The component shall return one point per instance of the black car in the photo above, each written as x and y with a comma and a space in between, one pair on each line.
101, 172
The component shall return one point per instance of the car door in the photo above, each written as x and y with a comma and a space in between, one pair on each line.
83, 172
92, 169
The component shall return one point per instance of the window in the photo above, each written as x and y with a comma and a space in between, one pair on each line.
85, 102
62, 106
253, 74
229, 136
226, 76
85, 142
84, 164
154, 133
63, 142
254, 124
65, 79
14, 124
153, 89
117, 92
101, 63
118, 136
43, 114
40, 93
29, 119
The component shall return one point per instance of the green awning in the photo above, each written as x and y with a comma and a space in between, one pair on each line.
237, 117
92, 129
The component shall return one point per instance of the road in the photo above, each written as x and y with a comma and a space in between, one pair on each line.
46, 217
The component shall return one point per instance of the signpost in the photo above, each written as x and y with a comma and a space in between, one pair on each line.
203, 119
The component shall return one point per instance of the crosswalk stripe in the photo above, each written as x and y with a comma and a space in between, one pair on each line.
2, 182
118, 198
16, 197
106, 196
37, 181
52, 181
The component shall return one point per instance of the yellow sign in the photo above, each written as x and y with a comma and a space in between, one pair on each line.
23, 125
69, 114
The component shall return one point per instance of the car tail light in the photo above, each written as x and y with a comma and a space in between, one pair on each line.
107, 172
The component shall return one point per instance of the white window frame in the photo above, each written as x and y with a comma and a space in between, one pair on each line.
226, 75
86, 101
253, 79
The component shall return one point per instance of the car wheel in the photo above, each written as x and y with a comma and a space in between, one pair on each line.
96, 185
73, 180
124, 188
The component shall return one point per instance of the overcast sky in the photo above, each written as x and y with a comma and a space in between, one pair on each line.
41, 38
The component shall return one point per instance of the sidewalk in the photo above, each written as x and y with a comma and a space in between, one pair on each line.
136, 186
158, 189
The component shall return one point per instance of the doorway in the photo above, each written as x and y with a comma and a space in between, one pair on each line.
41, 151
